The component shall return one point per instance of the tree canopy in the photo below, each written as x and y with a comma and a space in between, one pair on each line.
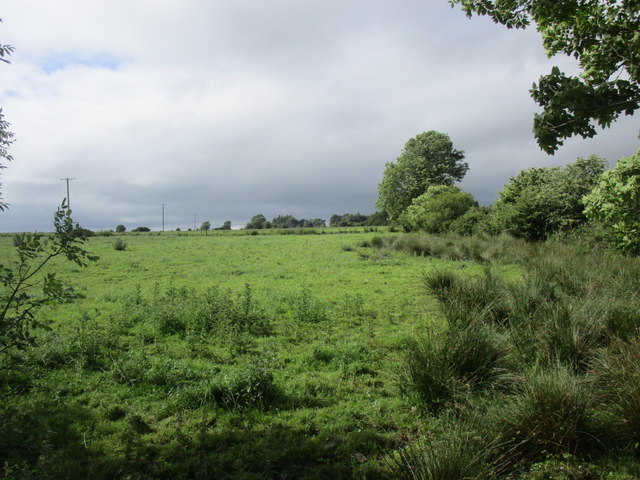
602, 35
426, 160
257, 222
205, 227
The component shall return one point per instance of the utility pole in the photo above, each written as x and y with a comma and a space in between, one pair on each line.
163, 205
68, 198
194, 222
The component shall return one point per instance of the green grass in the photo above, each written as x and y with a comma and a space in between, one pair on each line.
358, 354
226, 356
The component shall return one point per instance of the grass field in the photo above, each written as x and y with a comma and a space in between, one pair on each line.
122, 386
318, 356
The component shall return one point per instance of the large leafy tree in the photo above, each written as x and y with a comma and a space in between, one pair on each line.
258, 222
426, 160
603, 35
6, 136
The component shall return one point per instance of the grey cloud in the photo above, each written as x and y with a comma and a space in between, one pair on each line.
228, 109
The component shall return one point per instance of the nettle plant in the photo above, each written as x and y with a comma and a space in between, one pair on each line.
25, 287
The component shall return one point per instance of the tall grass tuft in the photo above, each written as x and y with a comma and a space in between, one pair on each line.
458, 454
550, 416
441, 372
468, 300
616, 381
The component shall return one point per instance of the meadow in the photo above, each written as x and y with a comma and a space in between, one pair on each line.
358, 354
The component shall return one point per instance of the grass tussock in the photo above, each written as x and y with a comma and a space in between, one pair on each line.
546, 362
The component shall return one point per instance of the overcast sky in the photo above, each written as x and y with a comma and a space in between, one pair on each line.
225, 109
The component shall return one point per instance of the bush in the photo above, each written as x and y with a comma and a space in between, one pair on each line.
539, 202
19, 282
141, 229
434, 210
120, 245
615, 201
307, 308
470, 222
469, 300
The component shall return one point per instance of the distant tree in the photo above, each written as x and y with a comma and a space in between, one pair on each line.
539, 202
313, 223
205, 227
121, 229
348, 220
602, 35
285, 221
377, 219
141, 229
434, 210
226, 225
258, 222
615, 201
426, 160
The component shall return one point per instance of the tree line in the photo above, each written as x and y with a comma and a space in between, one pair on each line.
418, 194
260, 222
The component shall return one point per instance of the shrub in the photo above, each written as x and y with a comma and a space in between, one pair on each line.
120, 245
19, 298
377, 242
615, 201
183, 310
307, 308
434, 210
570, 336
538, 202
470, 222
